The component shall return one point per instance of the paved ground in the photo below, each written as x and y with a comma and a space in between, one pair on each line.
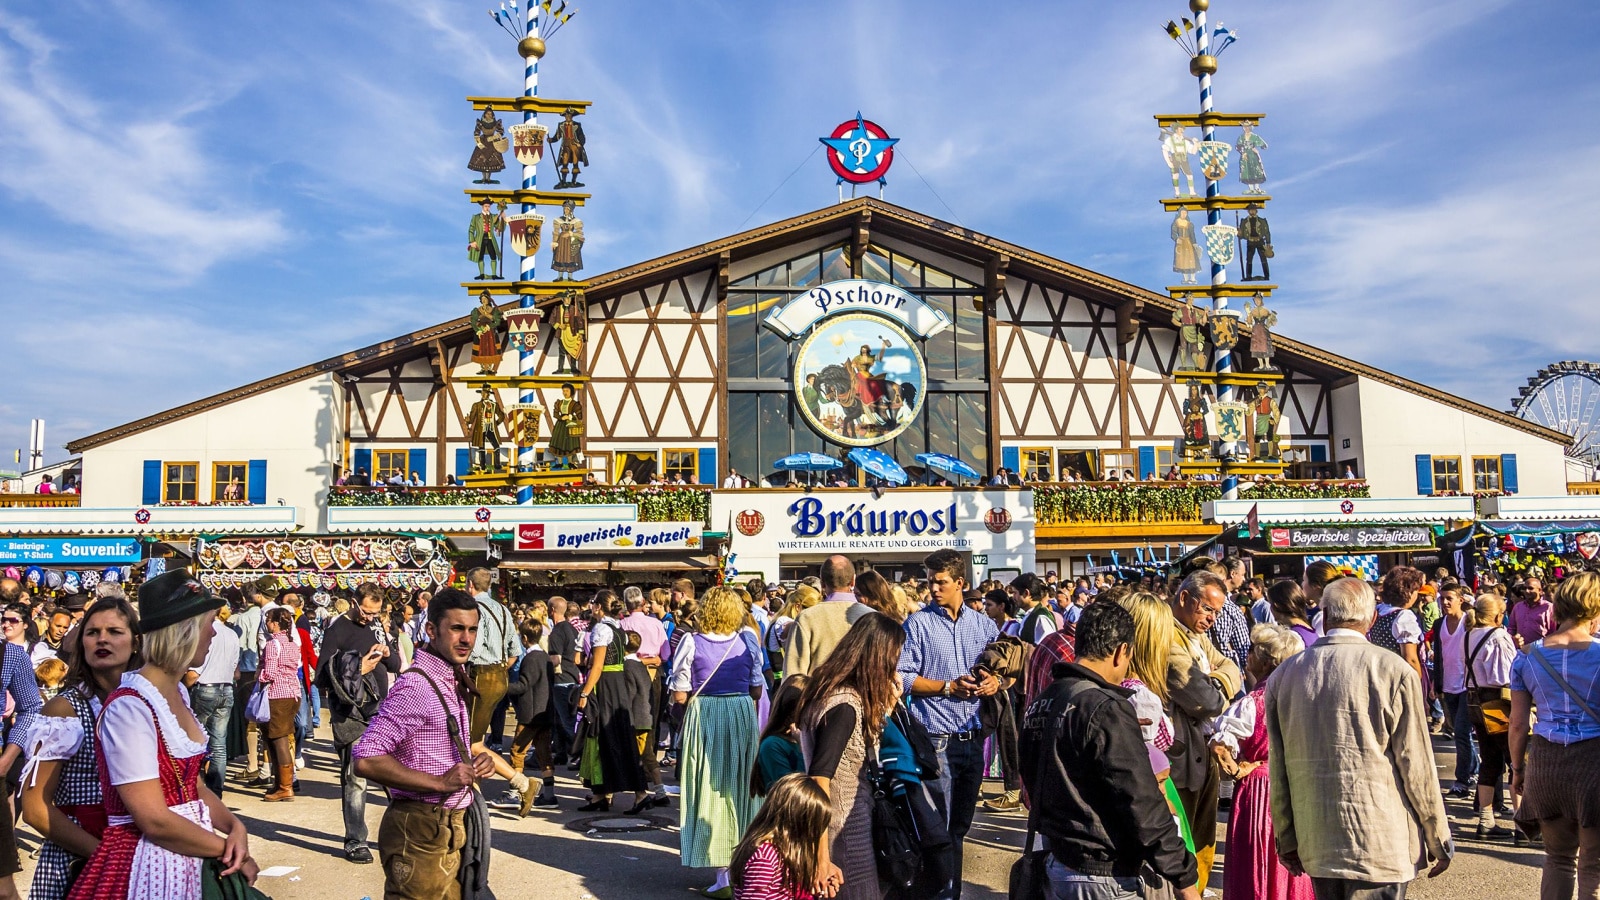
555, 855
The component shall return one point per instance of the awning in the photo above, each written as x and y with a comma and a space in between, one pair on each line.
1535, 526
1389, 510
663, 564
151, 521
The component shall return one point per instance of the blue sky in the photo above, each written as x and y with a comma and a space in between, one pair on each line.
193, 196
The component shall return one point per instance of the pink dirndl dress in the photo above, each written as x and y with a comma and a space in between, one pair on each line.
1253, 869
126, 865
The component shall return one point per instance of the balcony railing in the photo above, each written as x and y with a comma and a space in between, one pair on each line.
656, 503
1164, 502
1583, 488
40, 500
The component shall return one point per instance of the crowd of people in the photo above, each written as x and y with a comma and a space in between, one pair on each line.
828, 738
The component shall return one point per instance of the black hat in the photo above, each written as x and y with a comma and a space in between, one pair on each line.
170, 598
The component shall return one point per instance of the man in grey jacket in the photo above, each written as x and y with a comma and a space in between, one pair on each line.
1355, 798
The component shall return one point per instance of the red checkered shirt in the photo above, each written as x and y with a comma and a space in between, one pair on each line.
410, 726
1056, 647
280, 668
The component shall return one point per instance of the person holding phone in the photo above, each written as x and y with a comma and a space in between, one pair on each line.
359, 657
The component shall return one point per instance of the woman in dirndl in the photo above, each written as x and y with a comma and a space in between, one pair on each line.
151, 749
608, 740
716, 672
1239, 740
61, 782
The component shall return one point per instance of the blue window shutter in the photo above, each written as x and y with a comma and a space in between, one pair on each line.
1011, 458
463, 461
708, 465
1319, 453
363, 460
417, 461
1508, 473
1147, 462
152, 482
257, 482
1424, 474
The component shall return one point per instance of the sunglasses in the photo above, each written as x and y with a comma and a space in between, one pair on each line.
10, 620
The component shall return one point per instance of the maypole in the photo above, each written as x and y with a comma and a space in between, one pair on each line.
531, 48
548, 321
1223, 437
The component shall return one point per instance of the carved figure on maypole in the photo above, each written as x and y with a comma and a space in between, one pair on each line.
573, 155
1261, 321
1191, 323
487, 322
488, 146
566, 243
570, 319
1257, 237
1185, 249
483, 428
566, 437
484, 239
1268, 416
1252, 172
1196, 424
1176, 149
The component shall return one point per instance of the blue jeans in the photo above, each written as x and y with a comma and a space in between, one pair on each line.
213, 705
1455, 709
302, 724
1062, 883
960, 782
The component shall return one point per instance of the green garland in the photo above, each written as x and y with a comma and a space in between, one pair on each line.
1149, 502
656, 504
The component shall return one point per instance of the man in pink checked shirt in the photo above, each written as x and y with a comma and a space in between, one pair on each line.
416, 746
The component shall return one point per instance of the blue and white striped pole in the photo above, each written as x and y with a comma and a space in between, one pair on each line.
1219, 274
528, 356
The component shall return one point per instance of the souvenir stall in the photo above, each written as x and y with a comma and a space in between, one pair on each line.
327, 564
1359, 536
1518, 536
61, 568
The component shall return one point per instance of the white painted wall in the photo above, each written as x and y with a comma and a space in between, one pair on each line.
1397, 425
295, 428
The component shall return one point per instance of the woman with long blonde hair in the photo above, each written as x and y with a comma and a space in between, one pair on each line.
716, 672
1153, 635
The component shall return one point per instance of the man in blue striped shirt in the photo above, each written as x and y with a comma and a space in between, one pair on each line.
943, 641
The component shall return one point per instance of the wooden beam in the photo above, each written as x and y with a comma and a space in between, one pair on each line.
994, 287
1128, 321
724, 265
548, 105
860, 237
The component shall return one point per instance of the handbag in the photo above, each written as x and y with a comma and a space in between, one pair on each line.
1488, 707
216, 886
258, 708
894, 843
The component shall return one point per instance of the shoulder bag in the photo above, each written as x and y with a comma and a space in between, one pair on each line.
894, 834
1488, 707
474, 872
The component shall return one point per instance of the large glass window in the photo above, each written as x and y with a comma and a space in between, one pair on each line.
229, 482
1486, 473
681, 462
763, 422
1446, 474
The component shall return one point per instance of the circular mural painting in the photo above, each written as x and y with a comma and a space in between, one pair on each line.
860, 379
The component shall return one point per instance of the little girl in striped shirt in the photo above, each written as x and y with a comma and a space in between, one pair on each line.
780, 855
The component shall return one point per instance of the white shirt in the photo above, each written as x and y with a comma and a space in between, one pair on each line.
1236, 723
1452, 657
1491, 663
1407, 630
40, 652
732, 481
294, 632
222, 660
128, 733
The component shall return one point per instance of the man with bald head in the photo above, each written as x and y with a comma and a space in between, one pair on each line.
819, 629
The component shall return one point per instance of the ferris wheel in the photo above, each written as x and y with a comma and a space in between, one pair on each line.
1565, 396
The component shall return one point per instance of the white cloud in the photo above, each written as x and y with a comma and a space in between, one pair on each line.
144, 187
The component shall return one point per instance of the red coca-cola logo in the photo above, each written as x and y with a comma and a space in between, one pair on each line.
750, 522
1280, 538
530, 536
997, 520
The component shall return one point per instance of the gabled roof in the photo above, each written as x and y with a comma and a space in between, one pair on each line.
885, 218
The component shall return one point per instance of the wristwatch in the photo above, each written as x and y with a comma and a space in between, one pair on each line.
948, 685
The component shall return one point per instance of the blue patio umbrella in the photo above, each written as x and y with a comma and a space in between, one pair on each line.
949, 465
807, 462
879, 465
